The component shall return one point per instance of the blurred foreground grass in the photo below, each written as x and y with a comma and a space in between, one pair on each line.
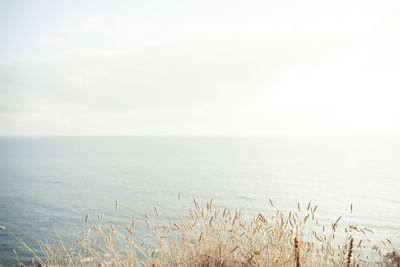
212, 237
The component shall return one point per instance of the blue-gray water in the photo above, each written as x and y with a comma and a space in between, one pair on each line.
47, 185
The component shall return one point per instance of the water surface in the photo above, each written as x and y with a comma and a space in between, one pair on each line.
47, 185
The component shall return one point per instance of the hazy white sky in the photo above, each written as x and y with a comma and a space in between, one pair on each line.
199, 67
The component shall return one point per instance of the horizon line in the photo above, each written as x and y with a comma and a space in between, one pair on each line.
213, 135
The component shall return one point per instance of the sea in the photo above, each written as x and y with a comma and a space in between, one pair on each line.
49, 184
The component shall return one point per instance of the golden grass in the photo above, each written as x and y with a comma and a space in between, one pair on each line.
212, 237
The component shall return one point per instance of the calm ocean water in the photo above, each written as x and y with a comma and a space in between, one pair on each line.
47, 185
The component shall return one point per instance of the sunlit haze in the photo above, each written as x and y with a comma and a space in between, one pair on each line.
199, 67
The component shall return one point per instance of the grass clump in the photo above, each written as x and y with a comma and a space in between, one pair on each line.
213, 237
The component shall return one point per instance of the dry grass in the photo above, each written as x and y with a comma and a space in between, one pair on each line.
211, 237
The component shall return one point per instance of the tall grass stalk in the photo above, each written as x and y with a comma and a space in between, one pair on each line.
213, 237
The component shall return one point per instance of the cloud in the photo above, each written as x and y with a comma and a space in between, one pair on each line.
151, 68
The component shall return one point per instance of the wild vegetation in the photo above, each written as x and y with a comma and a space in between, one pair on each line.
212, 237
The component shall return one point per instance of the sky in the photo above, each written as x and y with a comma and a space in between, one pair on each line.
199, 67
